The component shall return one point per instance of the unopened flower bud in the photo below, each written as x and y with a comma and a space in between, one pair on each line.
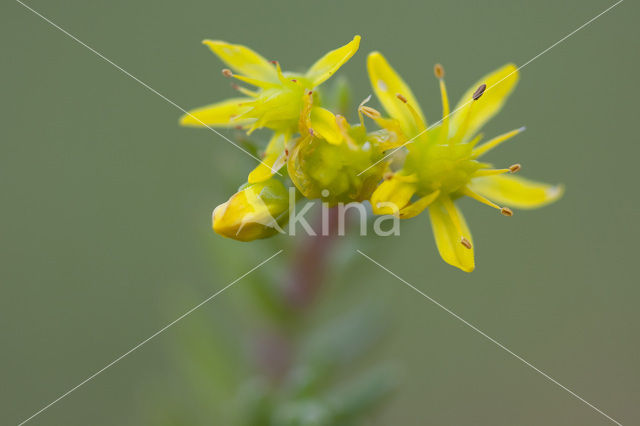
255, 211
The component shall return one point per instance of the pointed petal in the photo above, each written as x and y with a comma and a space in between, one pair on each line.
221, 114
264, 170
448, 237
491, 144
323, 122
392, 196
414, 209
515, 191
500, 83
387, 84
243, 60
272, 162
331, 62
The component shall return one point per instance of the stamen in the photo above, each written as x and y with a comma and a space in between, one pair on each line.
414, 113
281, 76
487, 146
466, 243
490, 172
479, 91
515, 168
227, 72
244, 90
438, 70
364, 101
370, 112
506, 211
469, 193
460, 134
361, 111
391, 125
251, 81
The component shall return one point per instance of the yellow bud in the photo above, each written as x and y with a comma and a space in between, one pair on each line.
255, 211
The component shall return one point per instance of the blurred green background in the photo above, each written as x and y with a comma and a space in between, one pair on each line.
105, 231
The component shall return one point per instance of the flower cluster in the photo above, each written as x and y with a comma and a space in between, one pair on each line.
402, 167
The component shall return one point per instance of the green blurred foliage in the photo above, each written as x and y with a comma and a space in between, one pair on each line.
330, 376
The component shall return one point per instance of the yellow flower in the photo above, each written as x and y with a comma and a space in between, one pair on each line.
442, 164
256, 211
275, 103
327, 161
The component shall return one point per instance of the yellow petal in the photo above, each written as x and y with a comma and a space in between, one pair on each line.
223, 114
323, 123
414, 209
449, 236
392, 196
491, 144
387, 84
515, 191
274, 159
331, 62
243, 60
264, 170
500, 83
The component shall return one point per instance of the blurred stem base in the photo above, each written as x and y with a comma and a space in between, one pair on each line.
275, 347
310, 264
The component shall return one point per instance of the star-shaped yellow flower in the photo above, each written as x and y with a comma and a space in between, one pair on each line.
442, 162
276, 102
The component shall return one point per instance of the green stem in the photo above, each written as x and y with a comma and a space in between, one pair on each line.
310, 264
302, 285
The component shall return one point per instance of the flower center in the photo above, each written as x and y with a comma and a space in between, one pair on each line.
447, 168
